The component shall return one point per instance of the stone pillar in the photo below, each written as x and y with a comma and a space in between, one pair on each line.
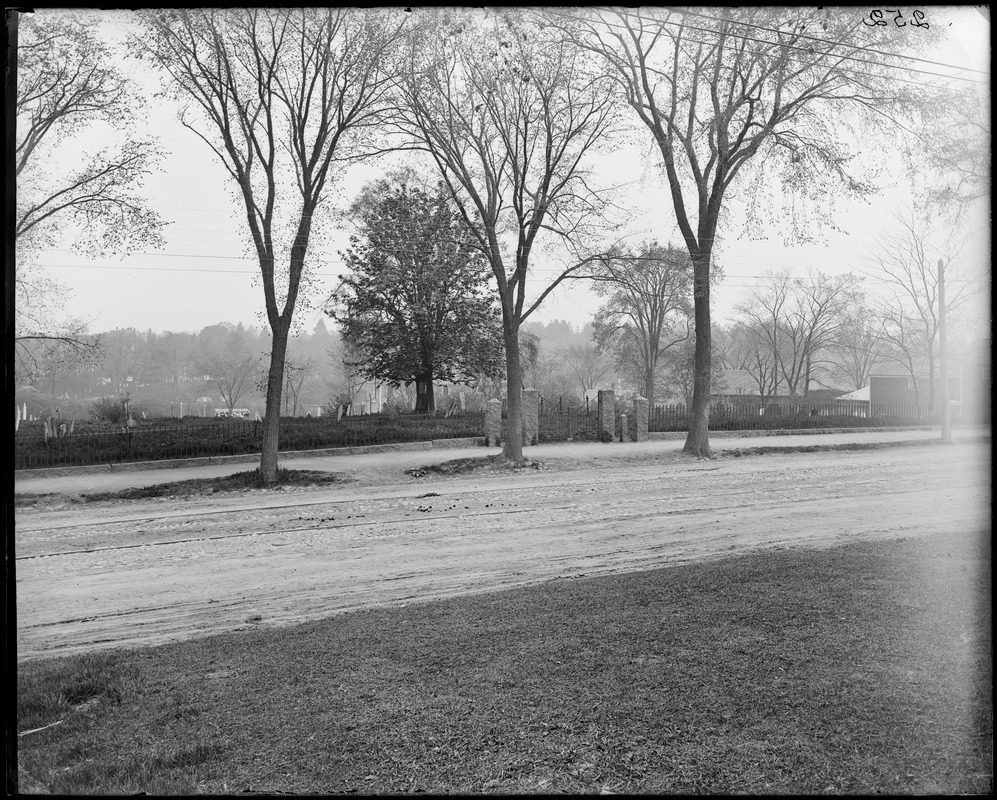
641, 410
624, 437
531, 416
493, 422
607, 415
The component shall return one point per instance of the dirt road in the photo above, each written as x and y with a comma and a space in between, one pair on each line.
128, 574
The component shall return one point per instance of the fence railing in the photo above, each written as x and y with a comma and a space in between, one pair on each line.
154, 440
796, 414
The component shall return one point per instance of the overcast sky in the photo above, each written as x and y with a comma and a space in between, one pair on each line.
203, 275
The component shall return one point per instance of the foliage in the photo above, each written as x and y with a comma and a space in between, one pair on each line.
110, 409
415, 299
69, 83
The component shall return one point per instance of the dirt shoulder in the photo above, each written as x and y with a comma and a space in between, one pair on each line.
145, 572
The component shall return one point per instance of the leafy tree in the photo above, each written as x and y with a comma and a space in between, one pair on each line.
416, 298
508, 113
287, 95
647, 310
720, 89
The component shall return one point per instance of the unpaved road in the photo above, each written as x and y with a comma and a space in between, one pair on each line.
147, 572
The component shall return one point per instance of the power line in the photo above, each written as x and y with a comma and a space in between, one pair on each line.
837, 44
902, 57
801, 49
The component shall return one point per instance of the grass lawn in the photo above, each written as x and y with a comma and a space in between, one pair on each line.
858, 669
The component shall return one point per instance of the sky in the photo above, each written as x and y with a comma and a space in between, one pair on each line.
203, 275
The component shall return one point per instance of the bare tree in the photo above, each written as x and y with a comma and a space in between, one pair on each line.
751, 351
798, 319
818, 307
508, 113
587, 364
227, 358
296, 376
287, 94
721, 88
346, 380
648, 307
905, 262
68, 82
858, 346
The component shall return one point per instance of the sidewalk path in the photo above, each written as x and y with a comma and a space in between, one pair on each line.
124, 478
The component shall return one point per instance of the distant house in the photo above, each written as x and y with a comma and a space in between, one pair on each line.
892, 386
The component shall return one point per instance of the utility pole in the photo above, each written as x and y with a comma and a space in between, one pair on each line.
946, 413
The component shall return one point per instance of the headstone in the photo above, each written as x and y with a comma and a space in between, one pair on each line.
493, 422
531, 416
640, 415
624, 436
607, 415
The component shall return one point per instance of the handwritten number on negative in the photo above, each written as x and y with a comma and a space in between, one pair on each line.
875, 18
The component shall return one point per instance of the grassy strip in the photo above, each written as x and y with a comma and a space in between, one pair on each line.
237, 482
858, 669
474, 464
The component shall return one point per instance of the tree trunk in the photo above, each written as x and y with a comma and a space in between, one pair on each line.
649, 386
512, 447
425, 398
271, 419
698, 441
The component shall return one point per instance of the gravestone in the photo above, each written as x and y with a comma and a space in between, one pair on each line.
624, 435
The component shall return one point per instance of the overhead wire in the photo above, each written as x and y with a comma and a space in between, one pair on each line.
789, 60
802, 49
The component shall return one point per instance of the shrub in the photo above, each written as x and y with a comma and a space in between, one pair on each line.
109, 409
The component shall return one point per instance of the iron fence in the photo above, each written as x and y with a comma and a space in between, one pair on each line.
794, 413
90, 444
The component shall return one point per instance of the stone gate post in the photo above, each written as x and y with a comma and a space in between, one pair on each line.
531, 416
607, 415
493, 422
640, 416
